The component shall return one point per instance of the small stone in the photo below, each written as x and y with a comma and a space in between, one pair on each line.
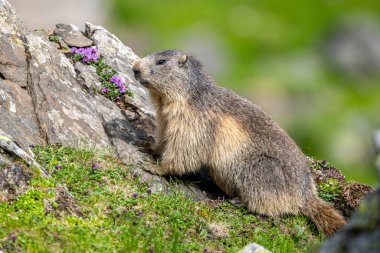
72, 36
218, 230
254, 248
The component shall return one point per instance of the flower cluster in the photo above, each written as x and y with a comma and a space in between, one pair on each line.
112, 86
117, 83
86, 54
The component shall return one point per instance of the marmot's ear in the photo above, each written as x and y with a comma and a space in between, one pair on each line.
182, 60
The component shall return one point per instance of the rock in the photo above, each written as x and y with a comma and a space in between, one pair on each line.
130, 137
87, 76
14, 180
9, 146
54, 101
218, 230
254, 248
18, 118
353, 47
362, 233
72, 36
12, 57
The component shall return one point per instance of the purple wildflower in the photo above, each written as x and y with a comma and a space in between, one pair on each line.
87, 53
104, 90
149, 191
151, 250
139, 213
32, 146
58, 167
117, 81
12, 237
205, 250
95, 166
135, 194
122, 89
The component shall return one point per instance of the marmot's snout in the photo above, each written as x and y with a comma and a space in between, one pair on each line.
136, 70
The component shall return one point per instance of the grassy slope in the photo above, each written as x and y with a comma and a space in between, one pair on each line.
112, 219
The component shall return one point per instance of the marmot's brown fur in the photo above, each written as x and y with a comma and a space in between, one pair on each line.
245, 152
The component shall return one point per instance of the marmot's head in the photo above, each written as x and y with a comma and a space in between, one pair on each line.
172, 73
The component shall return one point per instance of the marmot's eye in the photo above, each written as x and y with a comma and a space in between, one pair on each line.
160, 62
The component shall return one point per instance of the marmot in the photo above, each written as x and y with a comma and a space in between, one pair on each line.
245, 152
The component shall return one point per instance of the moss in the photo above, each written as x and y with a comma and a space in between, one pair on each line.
54, 38
330, 189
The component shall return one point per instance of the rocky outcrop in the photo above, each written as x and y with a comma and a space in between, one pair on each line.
352, 47
42, 96
362, 234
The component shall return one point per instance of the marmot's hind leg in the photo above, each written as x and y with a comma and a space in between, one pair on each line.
268, 187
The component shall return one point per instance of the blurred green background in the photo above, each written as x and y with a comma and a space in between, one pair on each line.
313, 65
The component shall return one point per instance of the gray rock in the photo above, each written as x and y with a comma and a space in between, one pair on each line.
72, 36
362, 233
130, 137
87, 76
13, 181
254, 248
353, 47
18, 118
9, 146
12, 57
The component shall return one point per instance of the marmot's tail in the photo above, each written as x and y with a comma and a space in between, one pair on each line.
325, 217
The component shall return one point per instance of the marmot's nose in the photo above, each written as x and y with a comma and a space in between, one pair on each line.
136, 68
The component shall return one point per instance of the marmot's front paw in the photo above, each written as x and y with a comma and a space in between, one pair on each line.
153, 169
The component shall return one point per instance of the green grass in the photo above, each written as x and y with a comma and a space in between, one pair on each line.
112, 219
